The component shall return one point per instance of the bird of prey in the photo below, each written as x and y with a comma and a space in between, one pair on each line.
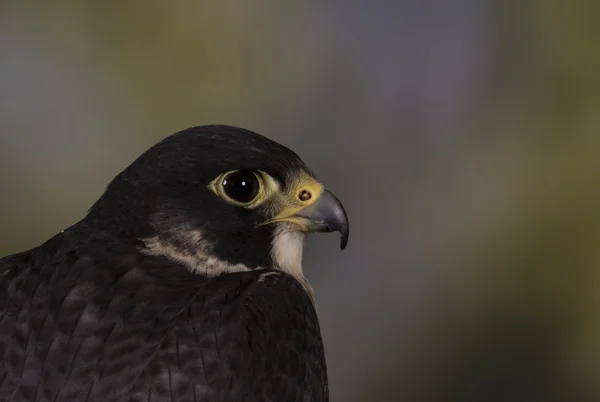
182, 283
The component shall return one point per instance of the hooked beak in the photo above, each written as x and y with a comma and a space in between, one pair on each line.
326, 214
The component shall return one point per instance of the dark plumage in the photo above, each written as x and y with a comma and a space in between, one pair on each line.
170, 291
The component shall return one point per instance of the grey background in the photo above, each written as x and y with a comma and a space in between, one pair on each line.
460, 135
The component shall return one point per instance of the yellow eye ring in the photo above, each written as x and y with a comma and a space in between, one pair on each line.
244, 187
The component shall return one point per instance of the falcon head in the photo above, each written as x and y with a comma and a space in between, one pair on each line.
220, 199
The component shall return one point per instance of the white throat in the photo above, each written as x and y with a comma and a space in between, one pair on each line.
287, 255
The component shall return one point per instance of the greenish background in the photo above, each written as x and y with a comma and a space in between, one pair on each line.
463, 137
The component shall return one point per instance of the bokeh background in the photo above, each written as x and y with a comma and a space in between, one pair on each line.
463, 137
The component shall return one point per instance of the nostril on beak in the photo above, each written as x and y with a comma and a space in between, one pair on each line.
304, 195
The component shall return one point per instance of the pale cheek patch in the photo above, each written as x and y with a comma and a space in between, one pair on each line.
197, 257
287, 255
193, 252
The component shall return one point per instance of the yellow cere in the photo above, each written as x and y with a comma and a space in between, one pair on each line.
303, 194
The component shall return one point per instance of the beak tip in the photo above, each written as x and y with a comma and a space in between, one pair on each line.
328, 215
345, 233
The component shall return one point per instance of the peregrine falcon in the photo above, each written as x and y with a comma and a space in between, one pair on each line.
183, 282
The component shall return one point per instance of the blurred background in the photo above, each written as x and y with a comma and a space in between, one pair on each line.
461, 135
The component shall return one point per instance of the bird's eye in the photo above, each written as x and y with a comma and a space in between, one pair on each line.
241, 186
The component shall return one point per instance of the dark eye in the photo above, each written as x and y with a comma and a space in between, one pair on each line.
241, 186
